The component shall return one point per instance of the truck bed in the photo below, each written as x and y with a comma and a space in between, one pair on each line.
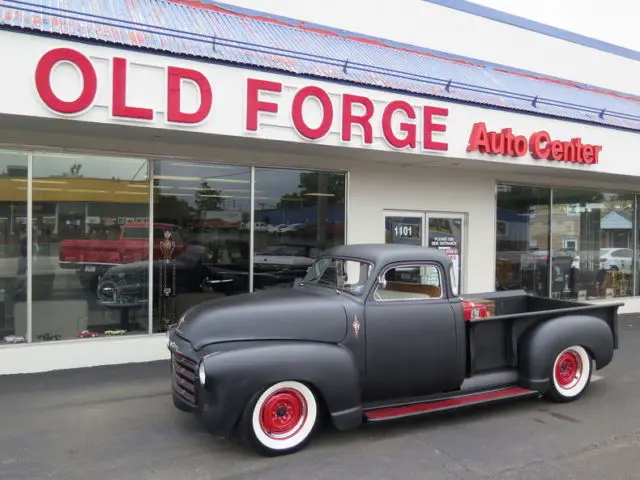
515, 312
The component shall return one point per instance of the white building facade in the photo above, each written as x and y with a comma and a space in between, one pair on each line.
184, 151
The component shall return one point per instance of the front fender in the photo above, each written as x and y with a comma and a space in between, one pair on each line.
538, 348
233, 376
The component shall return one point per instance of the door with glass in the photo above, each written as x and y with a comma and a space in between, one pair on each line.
446, 232
442, 231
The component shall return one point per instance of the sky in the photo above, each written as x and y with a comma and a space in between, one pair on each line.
613, 21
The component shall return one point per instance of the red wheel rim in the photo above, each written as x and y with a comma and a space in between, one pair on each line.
568, 369
283, 414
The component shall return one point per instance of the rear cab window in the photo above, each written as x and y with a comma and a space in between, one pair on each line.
410, 282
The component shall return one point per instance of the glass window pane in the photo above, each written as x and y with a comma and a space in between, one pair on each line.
410, 283
298, 214
13, 246
201, 212
89, 277
522, 239
600, 264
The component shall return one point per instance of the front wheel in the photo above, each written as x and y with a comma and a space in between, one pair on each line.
280, 419
570, 375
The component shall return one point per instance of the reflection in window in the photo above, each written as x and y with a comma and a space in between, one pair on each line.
201, 212
339, 273
593, 244
90, 221
13, 247
522, 239
298, 214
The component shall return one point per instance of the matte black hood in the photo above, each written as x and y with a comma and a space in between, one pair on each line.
280, 314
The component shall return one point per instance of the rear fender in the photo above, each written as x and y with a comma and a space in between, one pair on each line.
539, 346
234, 376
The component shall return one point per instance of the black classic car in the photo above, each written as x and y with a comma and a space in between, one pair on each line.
374, 333
192, 270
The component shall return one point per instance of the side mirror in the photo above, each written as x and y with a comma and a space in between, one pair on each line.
382, 281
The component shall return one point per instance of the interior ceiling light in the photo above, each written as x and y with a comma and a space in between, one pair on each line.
204, 165
85, 190
35, 180
125, 192
199, 179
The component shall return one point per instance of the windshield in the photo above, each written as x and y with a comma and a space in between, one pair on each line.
339, 273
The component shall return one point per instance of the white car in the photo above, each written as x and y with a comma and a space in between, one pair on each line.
14, 339
276, 228
615, 259
291, 228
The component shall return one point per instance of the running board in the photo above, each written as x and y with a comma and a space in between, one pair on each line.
453, 402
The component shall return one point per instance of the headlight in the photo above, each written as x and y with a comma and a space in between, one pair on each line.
202, 375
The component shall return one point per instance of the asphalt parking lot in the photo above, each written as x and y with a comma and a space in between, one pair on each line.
119, 423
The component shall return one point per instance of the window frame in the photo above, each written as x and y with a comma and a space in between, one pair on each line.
455, 291
567, 240
441, 278
365, 286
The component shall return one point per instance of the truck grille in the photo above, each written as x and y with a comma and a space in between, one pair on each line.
184, 377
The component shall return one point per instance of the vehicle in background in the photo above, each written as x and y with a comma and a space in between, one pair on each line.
614, 259
87, 334
92, 258
14, 339
47, 337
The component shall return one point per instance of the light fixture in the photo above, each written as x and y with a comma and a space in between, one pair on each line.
202, 374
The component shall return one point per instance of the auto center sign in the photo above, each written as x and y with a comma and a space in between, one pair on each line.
403, 126
540, 145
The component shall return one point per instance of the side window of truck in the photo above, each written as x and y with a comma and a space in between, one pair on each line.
414, 282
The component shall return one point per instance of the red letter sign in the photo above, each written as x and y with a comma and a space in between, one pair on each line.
479, 139
119, 107
429, 127
175, 76
349, 118
409, 140
254, 105
43, 81
298, 119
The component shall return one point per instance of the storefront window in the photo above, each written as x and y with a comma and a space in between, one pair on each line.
298, 214
593, 242
13, 247
90, 245
201, 212
522, 239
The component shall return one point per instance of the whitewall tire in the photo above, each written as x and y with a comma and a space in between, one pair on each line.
280, 419
570, 374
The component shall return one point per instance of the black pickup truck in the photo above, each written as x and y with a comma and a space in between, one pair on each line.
376, 332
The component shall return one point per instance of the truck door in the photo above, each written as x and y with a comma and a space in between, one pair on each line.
412, 346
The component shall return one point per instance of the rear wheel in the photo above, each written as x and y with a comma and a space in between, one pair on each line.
280, 419
570, 375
